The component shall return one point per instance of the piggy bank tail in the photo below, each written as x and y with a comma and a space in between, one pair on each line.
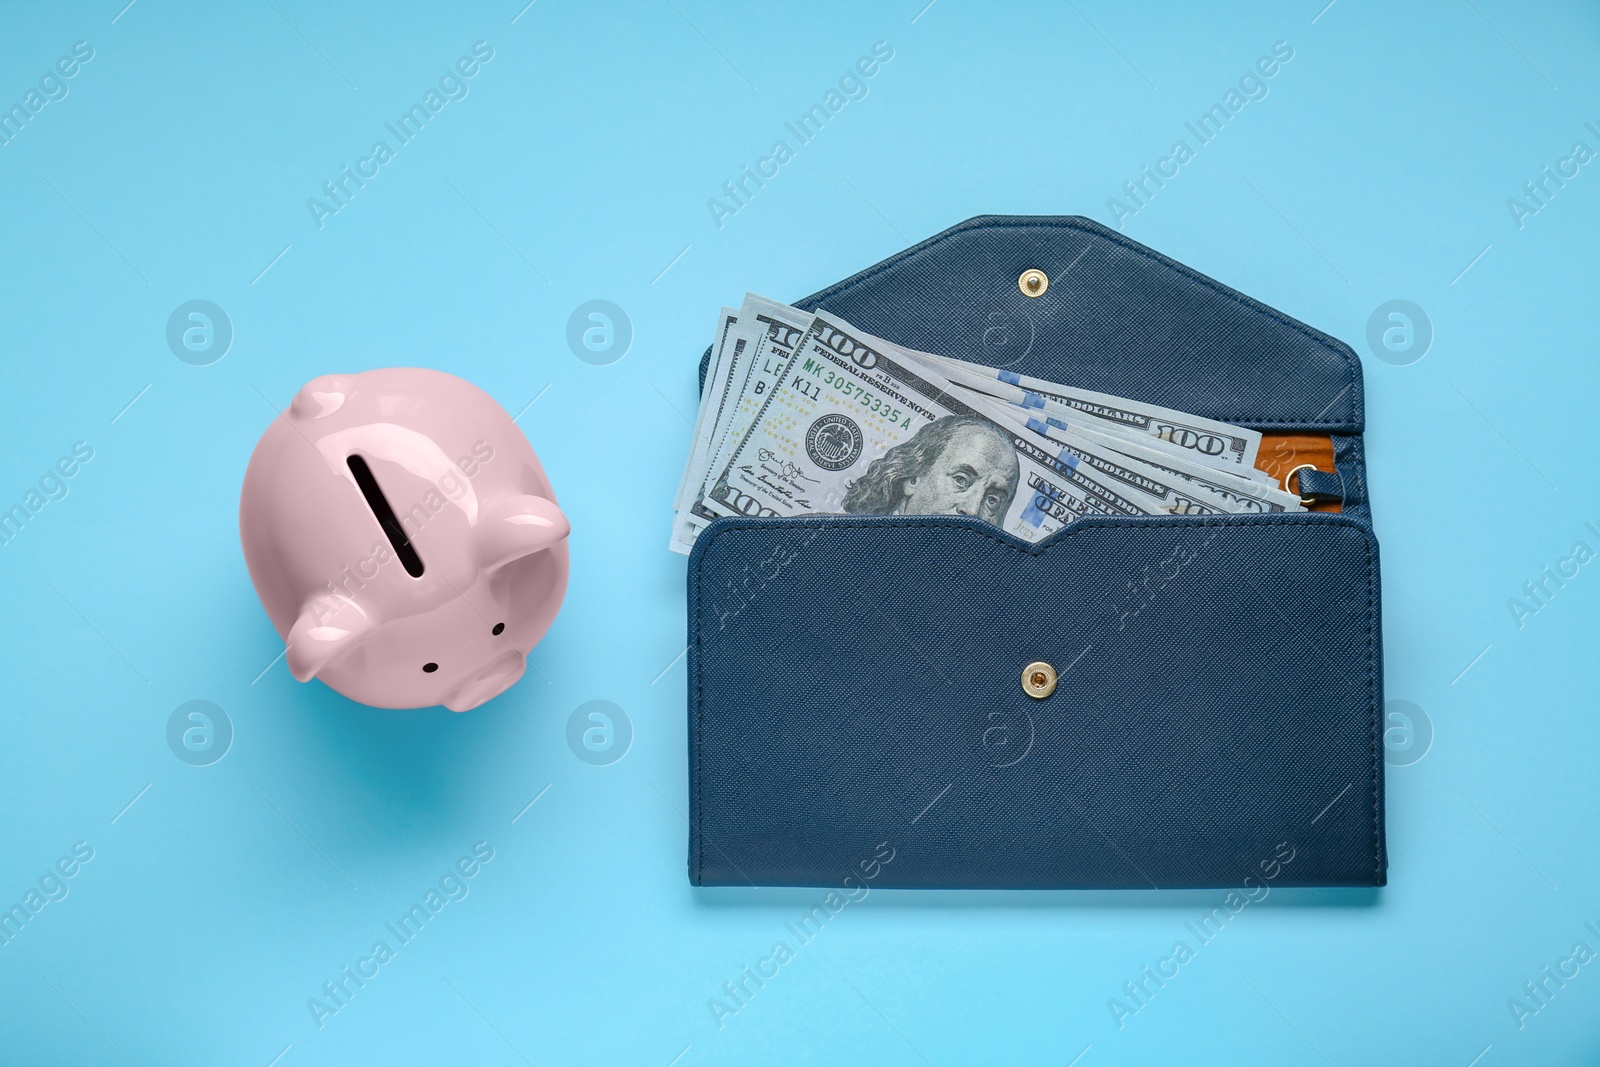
517, 525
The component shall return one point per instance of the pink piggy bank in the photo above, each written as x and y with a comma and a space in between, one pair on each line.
403, 538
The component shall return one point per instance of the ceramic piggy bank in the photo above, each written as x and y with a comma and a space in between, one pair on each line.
403, 538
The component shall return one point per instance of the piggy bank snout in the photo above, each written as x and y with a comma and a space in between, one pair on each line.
501, 674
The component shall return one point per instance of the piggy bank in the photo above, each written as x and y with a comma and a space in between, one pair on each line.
403, 539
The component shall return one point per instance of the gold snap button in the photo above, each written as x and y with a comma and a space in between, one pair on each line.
1033, 283
1039, 680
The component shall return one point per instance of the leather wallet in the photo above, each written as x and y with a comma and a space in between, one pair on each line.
858, 686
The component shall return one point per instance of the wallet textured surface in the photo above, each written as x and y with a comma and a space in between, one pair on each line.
855, 681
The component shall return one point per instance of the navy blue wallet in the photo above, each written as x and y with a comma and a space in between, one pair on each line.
856, 684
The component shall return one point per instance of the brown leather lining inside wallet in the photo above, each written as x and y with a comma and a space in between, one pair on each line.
1283, 452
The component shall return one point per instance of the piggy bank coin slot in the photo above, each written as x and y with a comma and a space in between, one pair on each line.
385, 515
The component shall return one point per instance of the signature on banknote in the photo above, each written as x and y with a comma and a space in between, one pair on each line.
785, 471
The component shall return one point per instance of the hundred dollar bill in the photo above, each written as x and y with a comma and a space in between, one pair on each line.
1157, 468
1254, 483
726, 356
1176, 485
1073, 453
1244, 493
777, 331
768, 341
1114, 458
1207, 441
851, 426
1155, 491
712, 400
1182, 487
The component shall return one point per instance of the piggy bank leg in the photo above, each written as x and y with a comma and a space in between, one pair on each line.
518, 525
327, 627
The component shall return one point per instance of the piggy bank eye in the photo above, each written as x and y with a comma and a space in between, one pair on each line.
429, 668
499, 628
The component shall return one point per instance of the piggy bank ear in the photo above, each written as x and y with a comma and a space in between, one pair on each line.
322, 396
517, 525
328, 626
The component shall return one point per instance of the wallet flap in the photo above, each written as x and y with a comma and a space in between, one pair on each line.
1115, 317
860, 681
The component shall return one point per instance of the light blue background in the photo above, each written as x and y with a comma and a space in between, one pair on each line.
579, 167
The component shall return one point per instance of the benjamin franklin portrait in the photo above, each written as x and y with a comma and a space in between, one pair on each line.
956, 465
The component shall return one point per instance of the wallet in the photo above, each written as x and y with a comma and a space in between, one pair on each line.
859, 687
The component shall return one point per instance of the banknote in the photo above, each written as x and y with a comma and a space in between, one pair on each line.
1160, 469
805, 414
1215, 444
744, 368
1158, 491
848, 427
777, 331
707, 416
1183, 487
726, 352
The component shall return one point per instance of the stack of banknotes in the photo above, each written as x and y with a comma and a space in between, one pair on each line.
804, 414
